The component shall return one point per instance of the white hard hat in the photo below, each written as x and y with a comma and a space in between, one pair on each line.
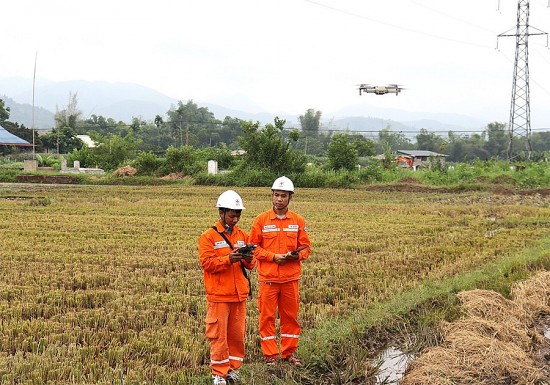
230, 200
283, 183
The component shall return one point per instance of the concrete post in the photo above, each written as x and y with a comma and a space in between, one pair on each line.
212, 167
30, 165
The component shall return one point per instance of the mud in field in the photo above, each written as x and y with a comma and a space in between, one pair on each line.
497, 341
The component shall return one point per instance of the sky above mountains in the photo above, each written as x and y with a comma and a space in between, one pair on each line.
288, 55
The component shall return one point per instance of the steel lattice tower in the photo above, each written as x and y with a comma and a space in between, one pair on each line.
520, 110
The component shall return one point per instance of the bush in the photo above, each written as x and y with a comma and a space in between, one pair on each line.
11, 162
267, 149
253, 177
206, 179
242, 177
148, 163
342, 153
8, 176
86, 157
458, 174
310, 179
221, 154
48, 160
342, 179
536, 175
184, 159
329, 179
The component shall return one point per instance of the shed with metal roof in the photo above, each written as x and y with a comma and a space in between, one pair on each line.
8, 139
416, 159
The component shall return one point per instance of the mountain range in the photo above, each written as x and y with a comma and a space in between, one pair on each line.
123, 101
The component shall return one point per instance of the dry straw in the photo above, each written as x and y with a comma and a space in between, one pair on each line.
534, 295
494, 343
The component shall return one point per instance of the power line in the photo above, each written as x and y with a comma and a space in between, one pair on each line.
328, 130
451, 16
352, 131
418, 32
531, 78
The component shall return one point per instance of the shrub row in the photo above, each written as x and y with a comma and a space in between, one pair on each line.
151, 169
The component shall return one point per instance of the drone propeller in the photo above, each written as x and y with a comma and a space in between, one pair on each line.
364, 87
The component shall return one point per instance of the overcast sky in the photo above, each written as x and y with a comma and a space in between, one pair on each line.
287, 55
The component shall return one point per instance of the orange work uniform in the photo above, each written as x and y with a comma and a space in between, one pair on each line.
226, 292
279, 283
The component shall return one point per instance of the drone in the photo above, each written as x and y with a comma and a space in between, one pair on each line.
380, 90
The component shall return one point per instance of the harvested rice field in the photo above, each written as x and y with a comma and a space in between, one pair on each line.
102, 284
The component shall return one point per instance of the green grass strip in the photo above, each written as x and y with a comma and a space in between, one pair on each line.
336, 345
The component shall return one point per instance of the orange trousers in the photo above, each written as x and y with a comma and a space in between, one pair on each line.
225, 328
284, 298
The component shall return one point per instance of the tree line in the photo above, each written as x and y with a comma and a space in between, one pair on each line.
195, 133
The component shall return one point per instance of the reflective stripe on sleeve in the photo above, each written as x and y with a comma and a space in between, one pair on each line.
268, 338
236, 358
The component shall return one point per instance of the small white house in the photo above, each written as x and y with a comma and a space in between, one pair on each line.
87, 140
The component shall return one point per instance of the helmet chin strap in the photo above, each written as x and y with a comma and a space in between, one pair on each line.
224, 223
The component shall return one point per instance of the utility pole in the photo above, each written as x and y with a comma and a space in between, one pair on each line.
32, 124
181, 135
520, 109
187, 134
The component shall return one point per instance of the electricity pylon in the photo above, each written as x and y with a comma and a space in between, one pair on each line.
520, 110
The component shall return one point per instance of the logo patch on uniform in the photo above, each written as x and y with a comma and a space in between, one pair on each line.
269, 228
292, 228
241, 243
220, 245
